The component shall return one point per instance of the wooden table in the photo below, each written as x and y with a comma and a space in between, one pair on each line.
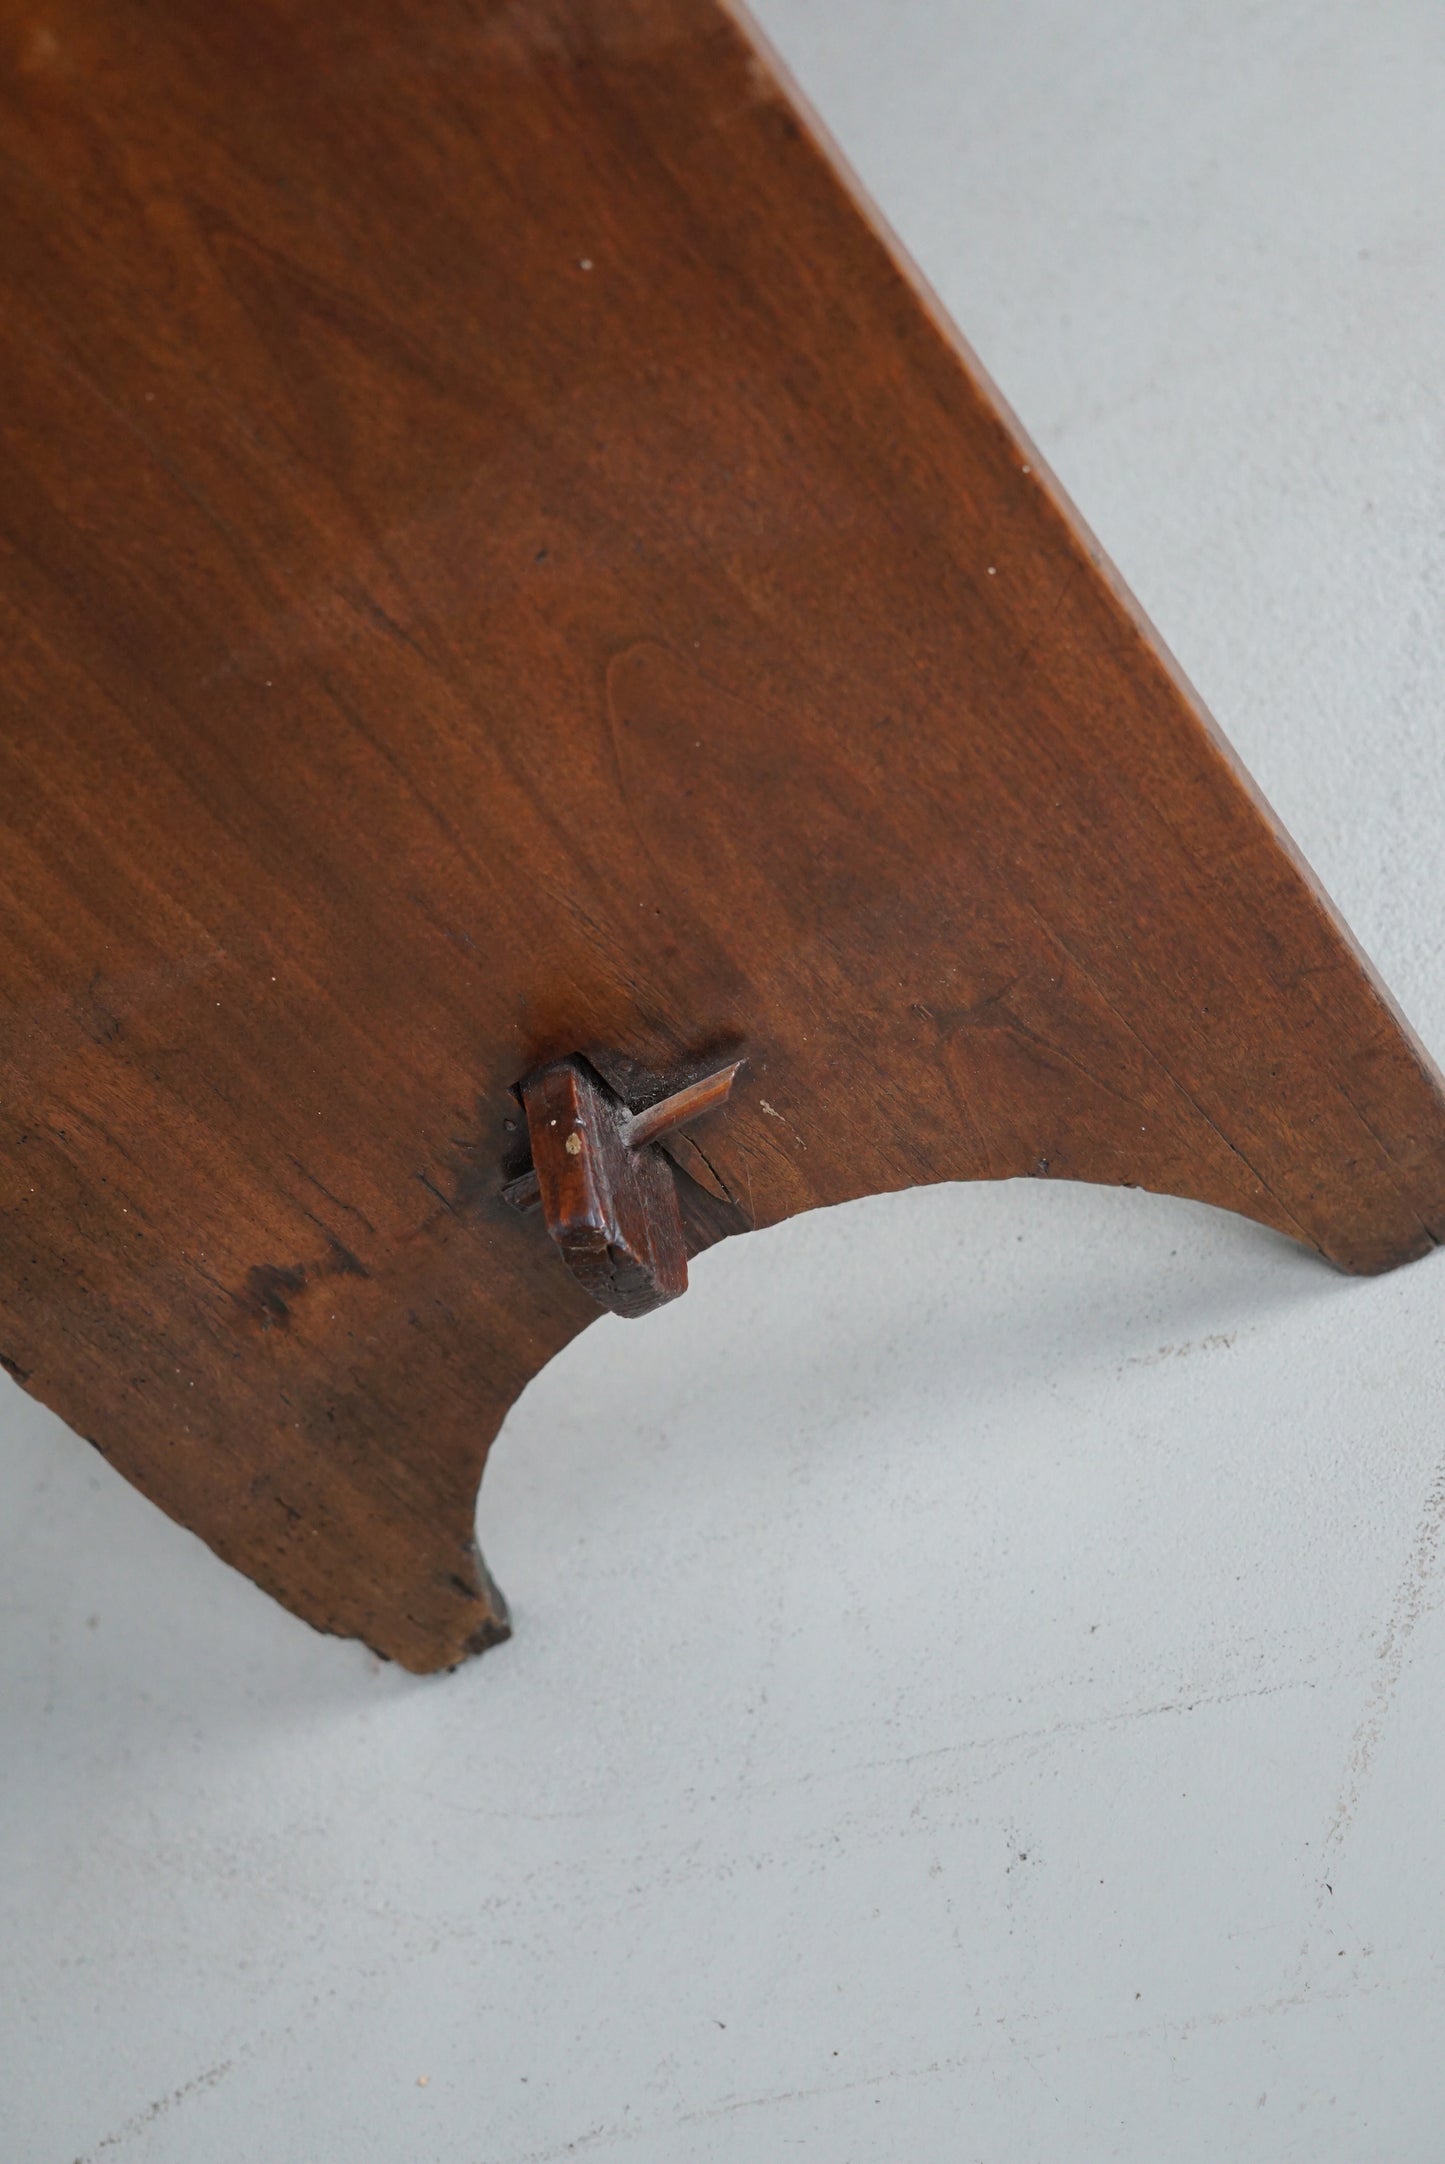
514, 601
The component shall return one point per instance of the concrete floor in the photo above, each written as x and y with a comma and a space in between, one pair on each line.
980, 1658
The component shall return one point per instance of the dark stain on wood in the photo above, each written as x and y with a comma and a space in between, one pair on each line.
271, 1288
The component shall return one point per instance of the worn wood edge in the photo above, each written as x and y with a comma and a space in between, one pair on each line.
1090, 555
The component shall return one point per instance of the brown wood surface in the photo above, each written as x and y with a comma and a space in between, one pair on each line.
499, 560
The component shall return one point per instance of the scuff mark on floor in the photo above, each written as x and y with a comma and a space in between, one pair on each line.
158, 2110
1219, 1342
1409, 1605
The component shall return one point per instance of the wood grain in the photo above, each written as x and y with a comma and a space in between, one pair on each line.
499, 558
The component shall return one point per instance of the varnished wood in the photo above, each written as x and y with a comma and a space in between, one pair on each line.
499, 559
611, 1207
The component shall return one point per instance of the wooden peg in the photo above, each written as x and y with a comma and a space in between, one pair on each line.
607, 1192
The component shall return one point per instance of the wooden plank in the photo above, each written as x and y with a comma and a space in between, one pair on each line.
499, 559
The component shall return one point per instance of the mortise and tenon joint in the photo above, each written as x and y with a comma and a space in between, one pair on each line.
607, 1192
